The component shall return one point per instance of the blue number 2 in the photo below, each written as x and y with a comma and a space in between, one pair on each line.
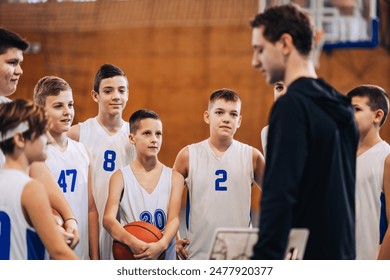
220, 180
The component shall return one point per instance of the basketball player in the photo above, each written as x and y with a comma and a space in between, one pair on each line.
309, 179
26, 219
70, 162
279, 90
371, 105
107, 136
145, 190
219, 174
12, 47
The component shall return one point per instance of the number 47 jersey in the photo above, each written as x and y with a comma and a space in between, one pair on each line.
219, 190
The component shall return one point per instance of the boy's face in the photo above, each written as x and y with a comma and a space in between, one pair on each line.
10, 70
113, 95
223, 117
36, 150
60, 111
267, 57
366, 118
148, 138
279, 89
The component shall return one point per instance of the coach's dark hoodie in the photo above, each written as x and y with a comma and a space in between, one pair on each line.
310, 173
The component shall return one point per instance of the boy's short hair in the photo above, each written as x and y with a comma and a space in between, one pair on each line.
17, 114
140, 115
107, 71
377, 98
225, 94
290, 19
49, 86
9, 39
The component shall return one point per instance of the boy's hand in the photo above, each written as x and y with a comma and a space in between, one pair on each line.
72, 233
181, 252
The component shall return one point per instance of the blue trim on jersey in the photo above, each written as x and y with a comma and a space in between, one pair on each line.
35, 247
188, 210
5, 236
383, 219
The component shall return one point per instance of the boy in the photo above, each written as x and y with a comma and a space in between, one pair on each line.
371, 105
27, 224
145, 190
12, 47
219, 173
107, 136
70, 162
279, 89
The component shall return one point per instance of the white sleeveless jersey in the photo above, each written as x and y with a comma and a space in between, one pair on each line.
3, 99
138, 205
18, 240
219, 192
369, 188
110, 152
70, 169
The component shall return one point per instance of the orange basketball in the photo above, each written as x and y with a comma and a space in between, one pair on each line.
143, 231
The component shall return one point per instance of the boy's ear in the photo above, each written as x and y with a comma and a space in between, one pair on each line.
239, 121
131, 138
19, 140
95, 96
206, 117
379, 115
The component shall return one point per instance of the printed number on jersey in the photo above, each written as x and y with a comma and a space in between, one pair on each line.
67, 178
221, 179
159, 218
109, 160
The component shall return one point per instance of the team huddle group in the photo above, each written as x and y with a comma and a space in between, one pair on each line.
326, 167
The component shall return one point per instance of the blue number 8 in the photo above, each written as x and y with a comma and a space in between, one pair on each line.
109, 160
222, 179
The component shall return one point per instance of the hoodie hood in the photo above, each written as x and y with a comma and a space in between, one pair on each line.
336, 105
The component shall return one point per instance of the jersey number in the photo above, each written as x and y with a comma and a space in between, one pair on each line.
62, 179
5, 236
109, 160
222, 179
159, 218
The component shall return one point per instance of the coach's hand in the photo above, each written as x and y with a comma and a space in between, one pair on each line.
181, 252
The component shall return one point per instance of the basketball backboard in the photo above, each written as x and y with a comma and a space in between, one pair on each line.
345, 23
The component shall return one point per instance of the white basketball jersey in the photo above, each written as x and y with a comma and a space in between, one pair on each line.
139, 205
219, 190
110, 152
3, 99
369, 187
18, 240
70, 169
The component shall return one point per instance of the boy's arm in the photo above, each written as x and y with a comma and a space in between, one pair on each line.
181, 164
258, 167
172, 226
93, 216
74, 132
111, 224
36, 204
40, 172
384, 252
